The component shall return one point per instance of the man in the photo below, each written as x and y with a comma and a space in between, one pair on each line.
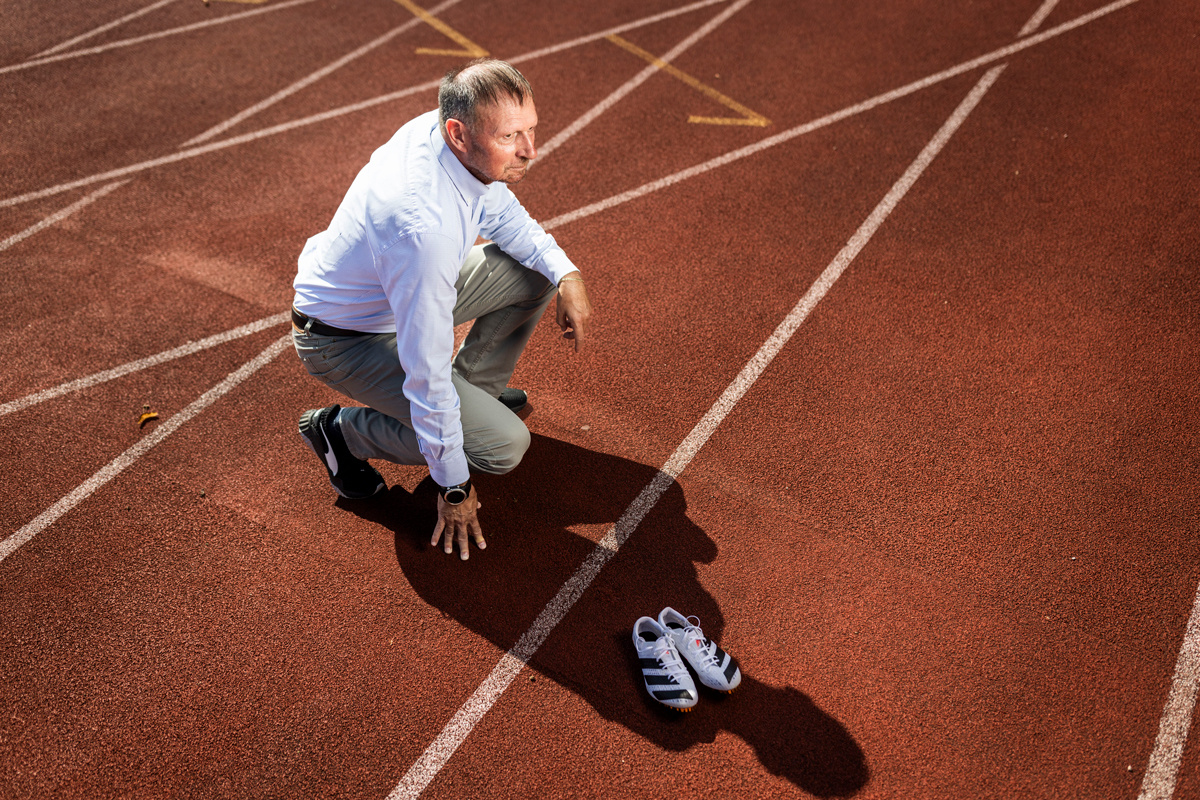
379, 292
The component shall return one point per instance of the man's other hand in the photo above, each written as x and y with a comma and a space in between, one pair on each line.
574, 310
455, 522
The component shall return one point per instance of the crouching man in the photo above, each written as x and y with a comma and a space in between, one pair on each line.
379, 292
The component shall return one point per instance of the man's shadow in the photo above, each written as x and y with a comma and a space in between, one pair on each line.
499, 592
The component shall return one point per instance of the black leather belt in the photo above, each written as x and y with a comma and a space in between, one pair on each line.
307, 323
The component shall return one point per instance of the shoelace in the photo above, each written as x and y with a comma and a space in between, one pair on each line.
697, 642
670, 662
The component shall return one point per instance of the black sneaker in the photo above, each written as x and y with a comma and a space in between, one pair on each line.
515, 399
351, 477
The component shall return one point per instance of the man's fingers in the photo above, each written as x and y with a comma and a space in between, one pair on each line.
573, 313
573, 331
575, 334
462, 542
457, 525
562, 314
444, 532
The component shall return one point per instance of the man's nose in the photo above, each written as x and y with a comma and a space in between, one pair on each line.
527, 149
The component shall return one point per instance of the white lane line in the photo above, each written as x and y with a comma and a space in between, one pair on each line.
1159, 781
313, 78
143, 363
1038, 18
1165, 760
59, 216
456, 731
115, 467
829, 119
800, 130
637, 80
109, 26
334, 113
858, 108
37, 62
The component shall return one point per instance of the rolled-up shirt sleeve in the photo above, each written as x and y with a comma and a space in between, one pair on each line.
508, 224
418, 273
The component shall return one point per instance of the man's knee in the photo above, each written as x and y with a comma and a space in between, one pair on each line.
503, 452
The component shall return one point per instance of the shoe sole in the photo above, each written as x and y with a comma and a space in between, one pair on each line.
680, 709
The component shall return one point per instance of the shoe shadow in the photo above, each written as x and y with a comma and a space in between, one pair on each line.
532, 551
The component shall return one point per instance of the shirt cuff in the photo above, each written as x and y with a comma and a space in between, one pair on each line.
556, 265
450, 472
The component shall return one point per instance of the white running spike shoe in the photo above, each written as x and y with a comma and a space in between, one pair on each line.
715, 668
667, 679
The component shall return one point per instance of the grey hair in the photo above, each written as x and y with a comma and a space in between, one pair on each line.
479, 83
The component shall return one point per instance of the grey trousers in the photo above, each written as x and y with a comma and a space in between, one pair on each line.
506, 300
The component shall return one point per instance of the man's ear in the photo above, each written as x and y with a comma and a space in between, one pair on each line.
457, 135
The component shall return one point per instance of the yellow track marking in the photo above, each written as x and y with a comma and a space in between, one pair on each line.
748, 117
469, 48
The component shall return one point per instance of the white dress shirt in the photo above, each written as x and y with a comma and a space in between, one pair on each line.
389, 260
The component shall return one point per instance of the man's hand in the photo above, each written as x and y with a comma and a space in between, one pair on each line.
574, 310
455, 522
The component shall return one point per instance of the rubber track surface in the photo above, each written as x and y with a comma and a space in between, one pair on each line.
949, 531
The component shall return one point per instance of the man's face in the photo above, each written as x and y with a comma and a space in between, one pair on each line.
501, 145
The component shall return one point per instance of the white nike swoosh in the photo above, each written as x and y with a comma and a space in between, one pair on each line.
330, 456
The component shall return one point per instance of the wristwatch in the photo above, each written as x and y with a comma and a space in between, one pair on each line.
454, 495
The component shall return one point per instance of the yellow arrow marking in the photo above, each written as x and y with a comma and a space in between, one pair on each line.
748, 117
469, 48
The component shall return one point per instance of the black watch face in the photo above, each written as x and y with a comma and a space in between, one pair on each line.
454, 496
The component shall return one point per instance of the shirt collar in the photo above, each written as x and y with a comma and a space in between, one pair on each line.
469, 187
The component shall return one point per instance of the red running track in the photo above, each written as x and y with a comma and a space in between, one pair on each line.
949, 531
